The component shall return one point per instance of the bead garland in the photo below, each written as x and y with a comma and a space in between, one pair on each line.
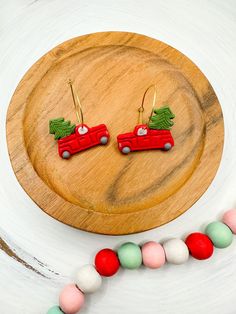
151, 254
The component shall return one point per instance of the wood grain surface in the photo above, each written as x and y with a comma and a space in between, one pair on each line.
38, 254
101, 190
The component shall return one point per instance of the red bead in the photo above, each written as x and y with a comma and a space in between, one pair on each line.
107, 262
199, 245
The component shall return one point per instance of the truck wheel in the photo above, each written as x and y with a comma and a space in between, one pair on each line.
104, 140
125, 150
65, 154
167, 146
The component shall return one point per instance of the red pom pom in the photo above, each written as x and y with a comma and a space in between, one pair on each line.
107, 262
199, 245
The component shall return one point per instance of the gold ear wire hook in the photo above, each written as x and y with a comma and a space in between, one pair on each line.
77, 104
141, 108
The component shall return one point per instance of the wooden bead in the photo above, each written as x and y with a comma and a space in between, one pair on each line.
229, 219
199, 245
130, 255
153, 255
220, 234
107, 262
71, 299
176, 251
55, 310
88, 279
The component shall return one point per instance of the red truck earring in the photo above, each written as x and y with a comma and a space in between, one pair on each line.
152, 135
73, 139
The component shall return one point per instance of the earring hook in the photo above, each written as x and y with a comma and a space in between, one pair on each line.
141, 108
77, 104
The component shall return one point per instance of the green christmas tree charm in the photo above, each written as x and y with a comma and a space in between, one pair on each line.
60, 128
162, 119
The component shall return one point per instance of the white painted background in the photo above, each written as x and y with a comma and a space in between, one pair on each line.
203, 30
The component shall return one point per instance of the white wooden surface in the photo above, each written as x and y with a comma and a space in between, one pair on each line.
206, 32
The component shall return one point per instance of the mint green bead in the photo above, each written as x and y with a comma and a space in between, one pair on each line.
220, 234
55, 310
130, 255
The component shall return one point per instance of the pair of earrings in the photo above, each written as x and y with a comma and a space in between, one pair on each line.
152, 135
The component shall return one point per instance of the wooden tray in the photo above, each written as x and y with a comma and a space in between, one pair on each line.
101, 190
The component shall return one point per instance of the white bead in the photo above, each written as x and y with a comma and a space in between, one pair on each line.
176, 251
88, 279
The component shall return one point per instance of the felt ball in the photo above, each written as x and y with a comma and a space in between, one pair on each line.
88, 279
130, 255
229, 219
71, 299
55, 310
153, 255
176, 251
107, 262
220, 234
199, 245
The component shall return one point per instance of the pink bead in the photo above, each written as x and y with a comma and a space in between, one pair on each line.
71, 299
229, 219
153, 255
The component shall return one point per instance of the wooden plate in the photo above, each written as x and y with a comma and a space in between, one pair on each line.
101, 190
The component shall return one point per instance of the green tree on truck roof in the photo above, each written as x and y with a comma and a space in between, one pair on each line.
61, 128
162, 119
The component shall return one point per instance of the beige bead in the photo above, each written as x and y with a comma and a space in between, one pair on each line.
176, 251
88, 279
